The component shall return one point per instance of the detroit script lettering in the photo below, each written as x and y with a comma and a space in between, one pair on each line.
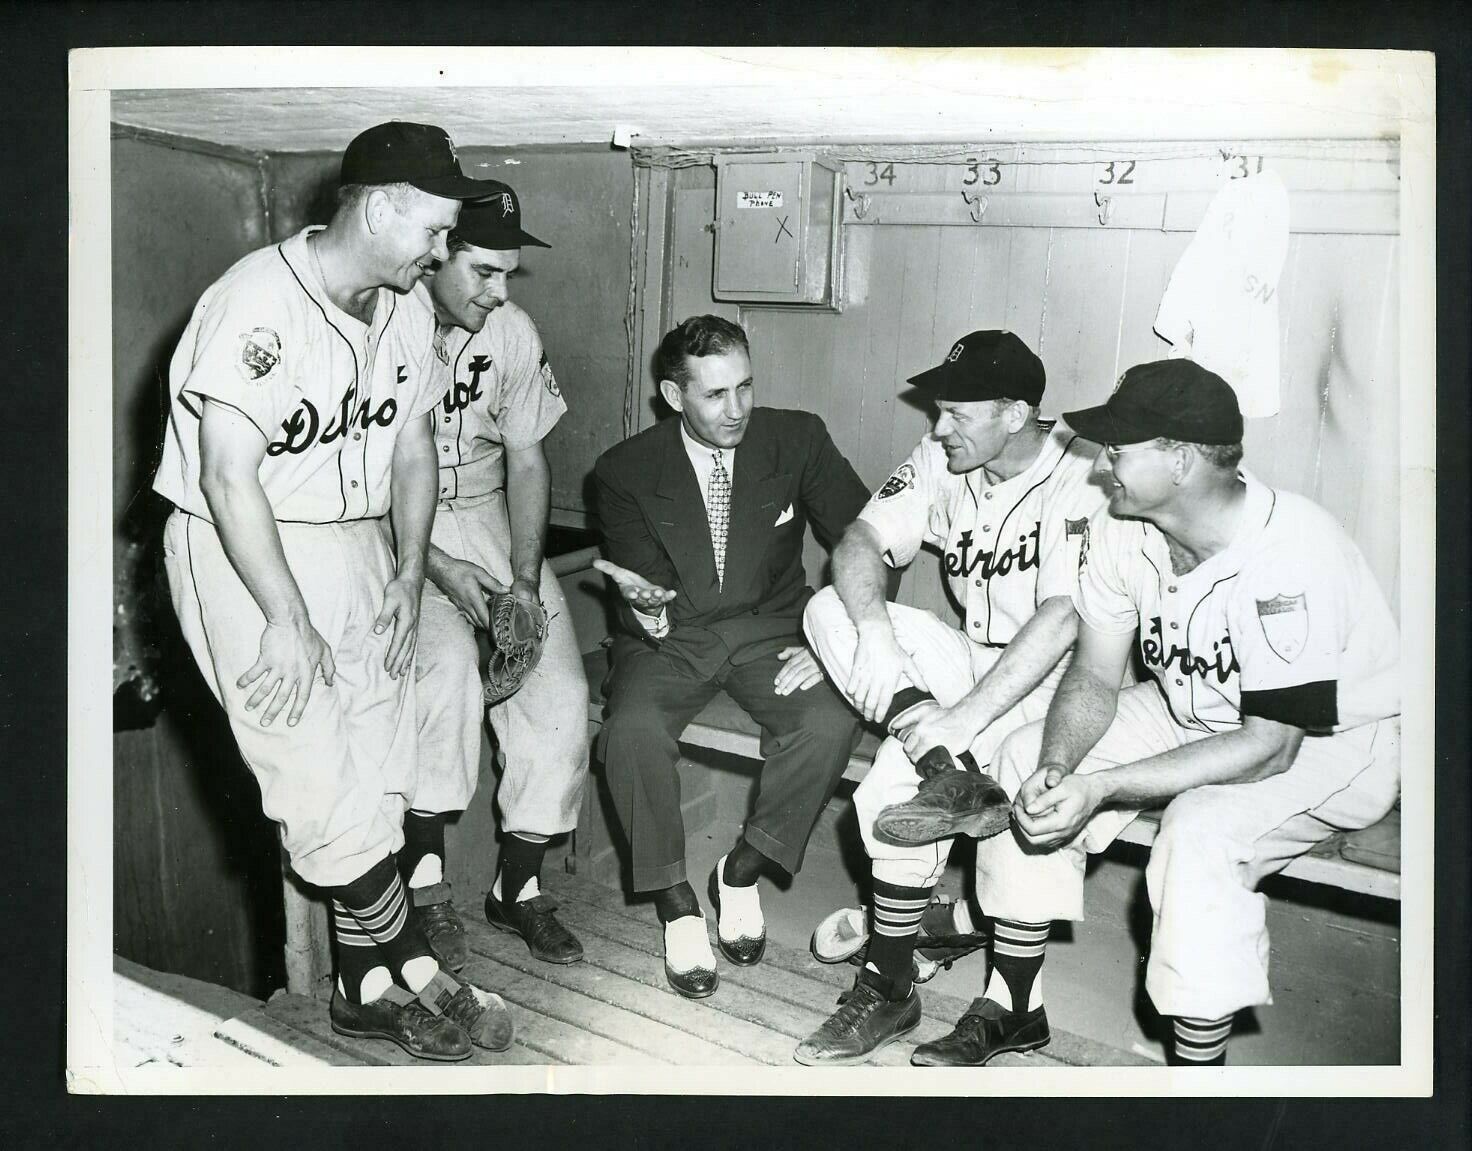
461, 396
301, 429
1152, 647
962, 561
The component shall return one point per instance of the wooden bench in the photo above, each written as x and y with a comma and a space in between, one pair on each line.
1365, 861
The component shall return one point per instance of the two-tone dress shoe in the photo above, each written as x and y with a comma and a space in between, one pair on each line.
688, 963
741, 930
535, 920
441, 923
986, 1030
866, 1020
400, 1018
947, 804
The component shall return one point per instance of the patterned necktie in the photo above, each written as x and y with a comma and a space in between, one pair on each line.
718, 509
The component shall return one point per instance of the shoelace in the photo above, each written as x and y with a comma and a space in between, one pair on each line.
854, 1003
438, 919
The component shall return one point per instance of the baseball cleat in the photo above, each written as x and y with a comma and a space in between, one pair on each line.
482, 1015
400, 1018
985, 1031
947, 804
866, 1021
441, 923
535, 920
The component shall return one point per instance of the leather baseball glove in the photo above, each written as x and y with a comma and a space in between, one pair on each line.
518, 630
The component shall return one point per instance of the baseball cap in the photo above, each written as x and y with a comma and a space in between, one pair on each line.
989, 365
1177, 399
403, 153
495, 221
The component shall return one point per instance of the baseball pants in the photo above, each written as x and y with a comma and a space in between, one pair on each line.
338, 782
1209, 942
541, 731
949, 665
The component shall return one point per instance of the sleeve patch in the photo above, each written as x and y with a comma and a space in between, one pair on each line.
260, 352
1284, 621
548, 380
903, 477
1079, 528
1306, 705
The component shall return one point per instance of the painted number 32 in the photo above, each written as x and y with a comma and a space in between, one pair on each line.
1118, 172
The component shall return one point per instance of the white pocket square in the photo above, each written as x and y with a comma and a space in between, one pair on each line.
784, 517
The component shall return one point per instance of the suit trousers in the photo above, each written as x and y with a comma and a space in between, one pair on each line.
653, 693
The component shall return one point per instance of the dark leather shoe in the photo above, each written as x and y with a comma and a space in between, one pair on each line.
482, 1016
698, 980
947, 804
535, 920
743, 950
987, 1029
867, 1020
400, 1018
441, 923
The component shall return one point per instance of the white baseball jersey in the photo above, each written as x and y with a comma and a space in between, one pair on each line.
329, 393
496, 391
1287, 623
1006, 547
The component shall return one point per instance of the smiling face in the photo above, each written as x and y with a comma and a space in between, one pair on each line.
1138, 477
473, 283
716, 403
410, 234
972, 434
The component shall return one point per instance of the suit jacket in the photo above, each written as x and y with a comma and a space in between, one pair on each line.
654, 523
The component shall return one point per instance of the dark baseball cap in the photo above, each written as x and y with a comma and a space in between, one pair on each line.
495, 220
403, 153
988, 365
1177, 399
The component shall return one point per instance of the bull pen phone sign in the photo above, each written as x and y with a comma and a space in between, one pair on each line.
749, 199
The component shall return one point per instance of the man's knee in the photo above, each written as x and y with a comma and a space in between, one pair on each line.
1193, 832
828, 720
824, 616
445, 656
1017, 758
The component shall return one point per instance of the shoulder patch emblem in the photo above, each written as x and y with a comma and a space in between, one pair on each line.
903, 477
1284, 621
260, 352
549, 381
1079, 528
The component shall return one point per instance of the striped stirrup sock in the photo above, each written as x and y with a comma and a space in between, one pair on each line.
377, 903
1017, 961
897, 912
1201, 1042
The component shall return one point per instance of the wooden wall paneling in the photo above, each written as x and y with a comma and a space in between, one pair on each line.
1082, 320
1377, 528
657, 251
1152, 258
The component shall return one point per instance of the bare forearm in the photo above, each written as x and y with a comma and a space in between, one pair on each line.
529, 497
248, 533
1080, 714
860, 576
1228, 757
414, 480
1034, 652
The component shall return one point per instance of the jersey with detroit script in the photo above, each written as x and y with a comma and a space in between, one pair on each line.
1005, 547
496, 390
329, 393
1286, 623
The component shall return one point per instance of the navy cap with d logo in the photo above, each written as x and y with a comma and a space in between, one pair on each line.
400, 152
1175, 399
495, 221
987, 365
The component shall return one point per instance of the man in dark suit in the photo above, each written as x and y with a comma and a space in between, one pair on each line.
703, 521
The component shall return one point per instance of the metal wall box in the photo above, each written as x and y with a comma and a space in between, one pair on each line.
777, 229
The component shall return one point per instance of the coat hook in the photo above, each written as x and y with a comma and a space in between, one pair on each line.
1105, 207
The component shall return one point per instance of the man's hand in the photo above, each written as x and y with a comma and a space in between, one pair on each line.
526, 590
800, 670
928, 725
637, 590
468, 586
289, 658
1052, 806
401, 610
879, 662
